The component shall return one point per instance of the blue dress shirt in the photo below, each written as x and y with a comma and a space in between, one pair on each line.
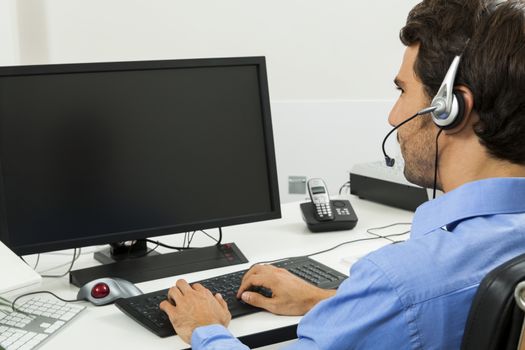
415, 294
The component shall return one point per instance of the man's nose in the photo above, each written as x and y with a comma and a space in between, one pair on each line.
391, 119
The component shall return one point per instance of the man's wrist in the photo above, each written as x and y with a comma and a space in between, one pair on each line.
321, 295
327, 293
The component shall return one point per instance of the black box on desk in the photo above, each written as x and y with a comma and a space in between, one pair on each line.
378, 183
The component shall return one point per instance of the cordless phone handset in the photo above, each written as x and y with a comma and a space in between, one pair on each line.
320, 199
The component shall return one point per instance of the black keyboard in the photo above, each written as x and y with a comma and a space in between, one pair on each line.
145, 308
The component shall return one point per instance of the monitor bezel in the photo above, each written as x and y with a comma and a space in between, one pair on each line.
274, 213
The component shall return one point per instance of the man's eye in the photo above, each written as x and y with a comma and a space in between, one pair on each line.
400, 89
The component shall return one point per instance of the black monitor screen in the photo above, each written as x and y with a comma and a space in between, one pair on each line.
97, 153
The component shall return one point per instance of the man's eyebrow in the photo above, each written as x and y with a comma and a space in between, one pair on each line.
399, 82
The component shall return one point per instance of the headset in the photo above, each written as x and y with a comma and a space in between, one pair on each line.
447, 108
449, 105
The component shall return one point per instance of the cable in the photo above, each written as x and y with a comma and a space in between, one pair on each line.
436, 164
390, 161
345, 243
187, 244
388, 239
75, 258
4, 302
184, 242
346, 184
7, 304
317, 253
146, 253
157, 243
84, 252
185, 247
166, 245
364, 239
37, 261
342, 244
54, 267
215, 239
220, 236
190, 239
61, 253
41, 292
388, 226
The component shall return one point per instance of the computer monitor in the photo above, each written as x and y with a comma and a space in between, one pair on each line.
105, 152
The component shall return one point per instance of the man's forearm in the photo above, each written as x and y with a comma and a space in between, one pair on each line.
321, 295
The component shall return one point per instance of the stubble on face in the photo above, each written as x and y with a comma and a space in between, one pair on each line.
418, 147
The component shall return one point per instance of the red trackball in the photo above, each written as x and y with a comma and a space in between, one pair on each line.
100, 290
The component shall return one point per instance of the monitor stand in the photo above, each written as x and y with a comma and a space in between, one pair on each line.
149, 268
119, 252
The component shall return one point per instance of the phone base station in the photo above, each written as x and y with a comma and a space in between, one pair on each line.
344, 217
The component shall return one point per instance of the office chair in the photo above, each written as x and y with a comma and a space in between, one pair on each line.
496, 316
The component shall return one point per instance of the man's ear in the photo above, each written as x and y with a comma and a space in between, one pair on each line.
468, 99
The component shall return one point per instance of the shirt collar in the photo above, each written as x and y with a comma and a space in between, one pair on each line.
478, 198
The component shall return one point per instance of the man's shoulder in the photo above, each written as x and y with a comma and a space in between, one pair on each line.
441, 262
406, 261
415, 270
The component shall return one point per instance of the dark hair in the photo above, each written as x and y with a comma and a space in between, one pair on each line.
490, 36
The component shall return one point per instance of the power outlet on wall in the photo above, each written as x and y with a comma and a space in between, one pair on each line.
297, 184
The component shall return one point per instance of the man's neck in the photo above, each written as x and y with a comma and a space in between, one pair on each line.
461, 170
463, 159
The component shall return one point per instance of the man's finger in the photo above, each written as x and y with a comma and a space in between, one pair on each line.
255, 269
167, 307
183, 286
260, 280
198, 286
252, 271
244, 282
221, 301
257, 300
174, 293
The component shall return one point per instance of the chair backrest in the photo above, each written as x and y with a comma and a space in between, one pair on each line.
495, 320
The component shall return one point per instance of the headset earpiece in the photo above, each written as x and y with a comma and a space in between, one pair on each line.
457, 113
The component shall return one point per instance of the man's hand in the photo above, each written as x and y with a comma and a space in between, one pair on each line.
291, 295
189, 307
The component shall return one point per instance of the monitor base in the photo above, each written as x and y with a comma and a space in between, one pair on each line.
116, 252
149, 268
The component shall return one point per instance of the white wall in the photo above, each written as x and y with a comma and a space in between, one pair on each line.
325, 138
330, 63
8, 34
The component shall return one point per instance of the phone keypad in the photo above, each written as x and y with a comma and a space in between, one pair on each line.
323, 209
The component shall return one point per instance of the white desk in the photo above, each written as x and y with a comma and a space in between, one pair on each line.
106, 327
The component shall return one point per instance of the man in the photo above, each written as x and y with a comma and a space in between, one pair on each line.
416, 294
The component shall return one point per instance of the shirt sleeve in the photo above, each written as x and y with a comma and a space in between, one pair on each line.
215, 337
366, 313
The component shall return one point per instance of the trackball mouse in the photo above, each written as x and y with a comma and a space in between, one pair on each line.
106, 290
